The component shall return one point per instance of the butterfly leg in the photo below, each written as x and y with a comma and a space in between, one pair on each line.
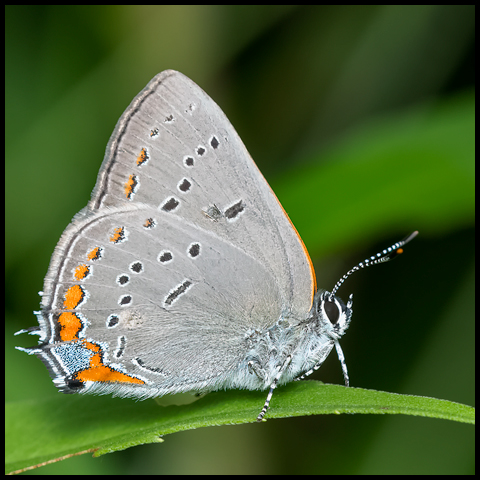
255, 368
306, 374
341, 357
281, 369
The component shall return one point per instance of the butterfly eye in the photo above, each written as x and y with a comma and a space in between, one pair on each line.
331, 309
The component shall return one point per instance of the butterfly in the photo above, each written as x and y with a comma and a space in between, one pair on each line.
184, 273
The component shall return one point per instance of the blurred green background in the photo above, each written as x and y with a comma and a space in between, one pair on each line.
362, 120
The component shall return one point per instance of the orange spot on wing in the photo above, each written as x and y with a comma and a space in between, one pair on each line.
73, 297
81, 272
117, 235
94, 254
70, 326
142, 157
130, 186
98, 372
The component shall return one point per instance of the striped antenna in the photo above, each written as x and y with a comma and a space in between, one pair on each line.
381, 257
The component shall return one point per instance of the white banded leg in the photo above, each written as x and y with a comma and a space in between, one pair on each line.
341, 357
306, 374
272, 388
343, 363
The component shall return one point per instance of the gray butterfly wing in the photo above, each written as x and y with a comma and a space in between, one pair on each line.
176, 145
182, 253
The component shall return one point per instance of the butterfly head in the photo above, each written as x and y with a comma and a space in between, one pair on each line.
333, 313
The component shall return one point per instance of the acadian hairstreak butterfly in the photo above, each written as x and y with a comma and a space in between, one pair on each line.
184, 273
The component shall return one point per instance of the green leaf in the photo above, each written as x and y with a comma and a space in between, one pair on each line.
44, 431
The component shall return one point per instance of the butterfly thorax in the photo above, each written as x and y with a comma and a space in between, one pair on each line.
294, 348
